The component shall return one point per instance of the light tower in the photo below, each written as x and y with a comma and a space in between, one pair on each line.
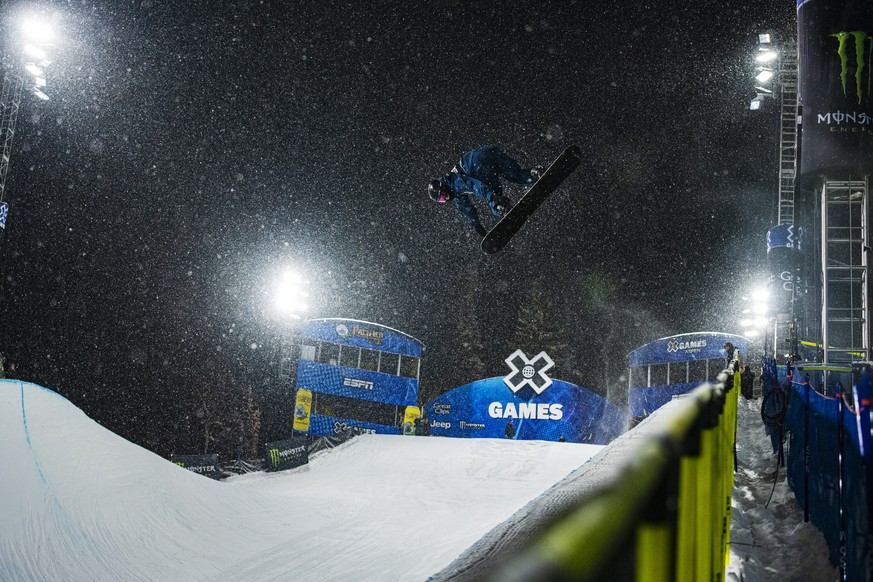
24, 64
776, 77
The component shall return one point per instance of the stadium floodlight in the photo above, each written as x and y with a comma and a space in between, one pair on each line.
763, 91
764, 38
289, 294
33, 70
35, 52
39, 94
755, 104
37, 31
760, 294
764, 74
766, 55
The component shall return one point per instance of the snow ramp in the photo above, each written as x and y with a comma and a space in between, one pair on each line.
81, 503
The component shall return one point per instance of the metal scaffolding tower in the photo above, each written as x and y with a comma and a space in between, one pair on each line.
844, 245
10, 103
788, 133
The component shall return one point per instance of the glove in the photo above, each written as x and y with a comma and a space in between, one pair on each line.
537, 172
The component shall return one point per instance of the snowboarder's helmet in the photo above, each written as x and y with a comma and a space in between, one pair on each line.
439, 192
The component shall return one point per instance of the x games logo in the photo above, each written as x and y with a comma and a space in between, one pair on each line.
528, 372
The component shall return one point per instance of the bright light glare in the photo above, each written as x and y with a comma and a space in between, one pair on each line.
764, 38
766, 56
35, 52
40, 94
290, 294
760, 294
764, 76
33, 70
759, 308
750, 333
755, 104
37, 31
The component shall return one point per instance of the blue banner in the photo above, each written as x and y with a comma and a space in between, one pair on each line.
362, 334
4, 213
356, 383
782, 236
489, 409
685, 347
320, 425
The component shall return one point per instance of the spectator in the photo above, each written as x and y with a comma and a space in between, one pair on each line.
747, 383
731, 363
510, 430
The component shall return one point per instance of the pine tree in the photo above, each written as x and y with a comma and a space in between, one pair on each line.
539, 328
471, 365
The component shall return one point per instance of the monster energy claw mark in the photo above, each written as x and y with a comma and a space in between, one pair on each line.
861, 40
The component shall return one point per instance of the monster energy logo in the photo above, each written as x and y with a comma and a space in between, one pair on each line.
862, 61
276, 455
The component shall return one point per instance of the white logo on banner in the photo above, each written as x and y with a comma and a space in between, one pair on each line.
531, 371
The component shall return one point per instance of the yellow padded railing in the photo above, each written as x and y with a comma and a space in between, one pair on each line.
666, 514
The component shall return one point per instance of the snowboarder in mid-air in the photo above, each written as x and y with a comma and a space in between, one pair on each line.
478, 173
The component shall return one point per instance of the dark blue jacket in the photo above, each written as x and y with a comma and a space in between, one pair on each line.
478, 172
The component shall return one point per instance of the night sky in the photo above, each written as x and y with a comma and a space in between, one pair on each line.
192, 150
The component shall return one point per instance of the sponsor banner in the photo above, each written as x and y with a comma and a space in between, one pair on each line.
286, 454
644, 401
321, 425
206, 465
4, 214
684, 347
835, 40
355, 383
782, 236
782, 278
361, 334
410, 415
489, 409
302, 409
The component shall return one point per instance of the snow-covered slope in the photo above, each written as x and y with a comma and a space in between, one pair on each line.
80, 503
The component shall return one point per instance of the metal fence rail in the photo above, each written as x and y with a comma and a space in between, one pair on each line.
664, 515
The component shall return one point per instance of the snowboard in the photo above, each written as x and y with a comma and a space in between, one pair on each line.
513, 220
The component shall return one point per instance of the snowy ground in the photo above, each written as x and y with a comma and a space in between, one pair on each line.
769, 541
80, 503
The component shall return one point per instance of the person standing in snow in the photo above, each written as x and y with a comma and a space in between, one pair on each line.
478, 172
509, 432
747, 383
731, 362
732, 358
